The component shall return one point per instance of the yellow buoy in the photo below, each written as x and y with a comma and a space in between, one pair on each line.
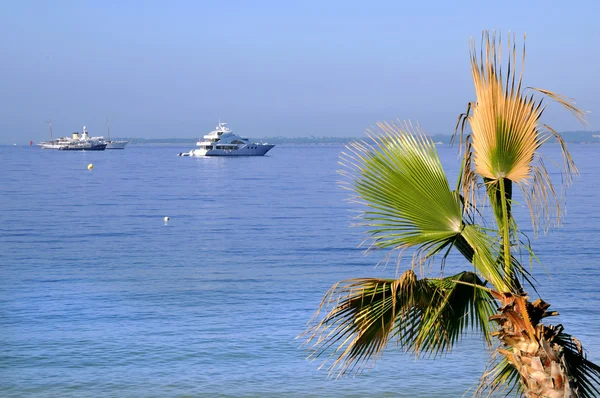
90, 166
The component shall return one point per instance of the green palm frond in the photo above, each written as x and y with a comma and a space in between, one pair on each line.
400, 177
423, 315
458, 302
482, 250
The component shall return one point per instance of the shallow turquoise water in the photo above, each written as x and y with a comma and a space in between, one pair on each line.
98, 297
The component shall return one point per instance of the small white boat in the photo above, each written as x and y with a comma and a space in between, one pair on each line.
223, 142
111, 144
114, 144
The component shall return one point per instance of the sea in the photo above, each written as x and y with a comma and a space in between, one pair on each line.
101, 297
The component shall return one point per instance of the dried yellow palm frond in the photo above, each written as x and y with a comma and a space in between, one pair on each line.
506, 132
504, 122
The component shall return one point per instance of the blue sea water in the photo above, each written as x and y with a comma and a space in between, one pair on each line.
100, 297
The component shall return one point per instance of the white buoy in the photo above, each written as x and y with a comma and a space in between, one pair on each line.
166, 220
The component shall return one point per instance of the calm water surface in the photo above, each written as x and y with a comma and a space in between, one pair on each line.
99, 297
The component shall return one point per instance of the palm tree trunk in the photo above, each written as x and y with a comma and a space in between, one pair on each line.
530, 347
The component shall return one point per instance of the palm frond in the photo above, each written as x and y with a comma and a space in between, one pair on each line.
544, 202
502, 379
484, 254
567, 103
424, 316
506, 132
459, 302
400, 177
585, 374
504, 122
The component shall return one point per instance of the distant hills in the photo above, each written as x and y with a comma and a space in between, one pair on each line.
568, 136
581, 136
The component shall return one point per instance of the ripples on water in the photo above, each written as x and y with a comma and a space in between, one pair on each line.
99, 297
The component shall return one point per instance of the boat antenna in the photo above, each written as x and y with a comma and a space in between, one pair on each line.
50, 125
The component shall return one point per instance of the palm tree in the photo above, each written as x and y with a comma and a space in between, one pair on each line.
398, 175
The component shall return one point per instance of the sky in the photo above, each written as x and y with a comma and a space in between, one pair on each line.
172, 69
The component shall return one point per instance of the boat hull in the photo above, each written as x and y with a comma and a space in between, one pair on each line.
45, 145
252, 150
116, 144
94, 147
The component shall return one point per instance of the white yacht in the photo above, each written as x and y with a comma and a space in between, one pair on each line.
83, 142
223, 142
77, 142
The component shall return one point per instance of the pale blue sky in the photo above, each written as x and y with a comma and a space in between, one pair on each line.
270, 68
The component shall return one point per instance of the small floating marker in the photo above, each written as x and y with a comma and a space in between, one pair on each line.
90, 166
166, 220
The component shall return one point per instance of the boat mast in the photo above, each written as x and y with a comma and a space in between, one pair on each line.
108, 127
50, 124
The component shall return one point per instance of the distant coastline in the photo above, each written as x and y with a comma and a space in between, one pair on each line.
581, 137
